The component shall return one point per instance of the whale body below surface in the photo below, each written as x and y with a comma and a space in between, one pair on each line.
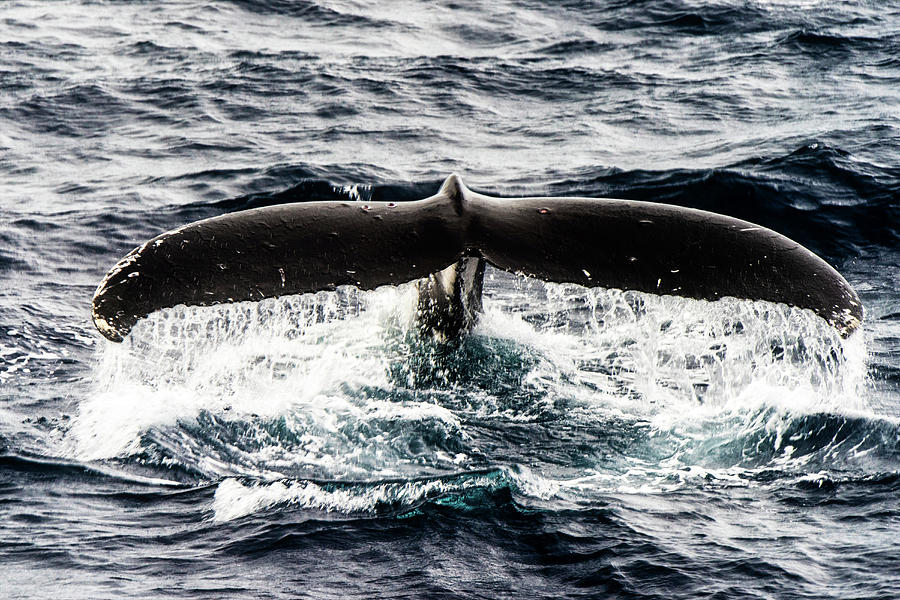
444, 241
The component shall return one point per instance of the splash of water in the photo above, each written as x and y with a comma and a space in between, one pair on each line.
652, 392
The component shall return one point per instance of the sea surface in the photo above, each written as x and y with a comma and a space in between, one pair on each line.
580, 443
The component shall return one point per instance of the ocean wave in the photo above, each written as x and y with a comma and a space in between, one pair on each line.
314, 12
234, 499
815, 42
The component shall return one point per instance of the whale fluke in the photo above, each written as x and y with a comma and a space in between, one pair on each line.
450, 300
312, 246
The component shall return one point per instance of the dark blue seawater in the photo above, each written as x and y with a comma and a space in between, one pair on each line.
580, 443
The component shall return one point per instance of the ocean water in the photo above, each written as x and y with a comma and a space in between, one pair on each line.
580, 443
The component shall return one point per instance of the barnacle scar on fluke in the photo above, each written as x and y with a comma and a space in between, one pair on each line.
445, 240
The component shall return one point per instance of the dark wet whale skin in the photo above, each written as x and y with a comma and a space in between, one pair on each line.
308, 247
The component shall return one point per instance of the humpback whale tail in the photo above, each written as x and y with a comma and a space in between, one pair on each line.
444, 240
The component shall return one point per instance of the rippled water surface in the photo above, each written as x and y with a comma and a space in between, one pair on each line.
579, 443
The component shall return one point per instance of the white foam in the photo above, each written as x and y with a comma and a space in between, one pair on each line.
321, 370
234, 499
265, 359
